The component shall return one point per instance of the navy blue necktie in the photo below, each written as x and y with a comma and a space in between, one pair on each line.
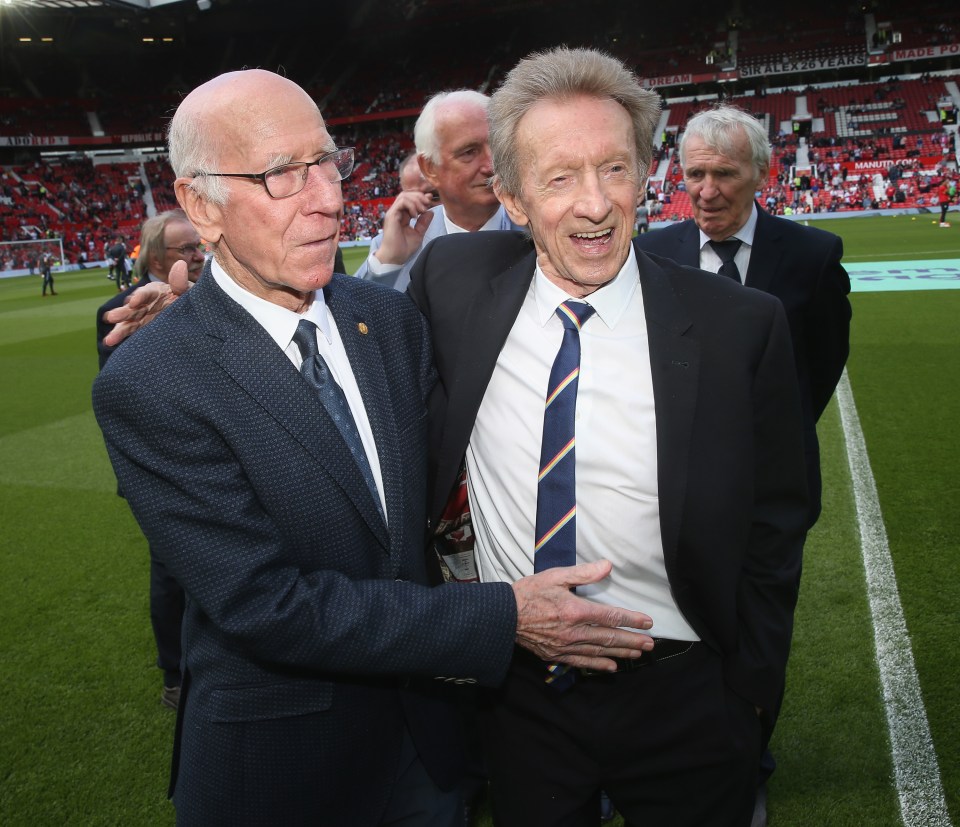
727, 250
314, 369
556, 527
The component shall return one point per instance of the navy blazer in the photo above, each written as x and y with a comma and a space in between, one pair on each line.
800, 265
731, 478
309, 639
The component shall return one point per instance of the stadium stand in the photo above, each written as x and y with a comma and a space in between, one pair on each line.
81, 140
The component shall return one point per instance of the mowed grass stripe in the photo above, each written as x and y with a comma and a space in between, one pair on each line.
916, 771
88, 742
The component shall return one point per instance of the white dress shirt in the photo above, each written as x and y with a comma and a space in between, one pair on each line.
710, 260
281, 324
618, 515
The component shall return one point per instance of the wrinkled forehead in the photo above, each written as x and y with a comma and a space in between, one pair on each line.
177, 232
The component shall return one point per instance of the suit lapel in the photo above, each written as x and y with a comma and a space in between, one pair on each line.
361, 345
688, 244
675, 367
766, 252
486, 326
254, 362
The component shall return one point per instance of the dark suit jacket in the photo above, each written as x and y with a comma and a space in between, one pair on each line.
729, 440
103, 328
309, 641
800, 265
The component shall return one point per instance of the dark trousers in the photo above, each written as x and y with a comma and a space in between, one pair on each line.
669, 742
120, 274
416, 801
47, 281
166, 616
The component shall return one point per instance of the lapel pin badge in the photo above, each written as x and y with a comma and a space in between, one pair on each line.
362, 327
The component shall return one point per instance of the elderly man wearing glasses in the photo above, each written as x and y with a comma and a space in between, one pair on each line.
269, 431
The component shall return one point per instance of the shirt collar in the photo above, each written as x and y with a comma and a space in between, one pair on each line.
610, 301
279, 322
745, 233
495, 222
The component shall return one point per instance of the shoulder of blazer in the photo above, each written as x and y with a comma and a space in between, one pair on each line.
793, 232
371, 299
458, 266
671, 241
665, 281
499, 249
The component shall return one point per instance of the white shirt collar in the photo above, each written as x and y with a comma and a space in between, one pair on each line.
610, 301
495, 222
279, 322
745, 233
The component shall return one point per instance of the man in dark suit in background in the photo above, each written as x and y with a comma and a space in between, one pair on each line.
117, 253
269, 433
686, 467
725, 156
166, 239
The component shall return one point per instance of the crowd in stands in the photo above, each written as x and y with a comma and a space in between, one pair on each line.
89, 206
903, 178
85, 205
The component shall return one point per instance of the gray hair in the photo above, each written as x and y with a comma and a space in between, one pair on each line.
719, 127
193, 151
560, 74
425, 130
152, 241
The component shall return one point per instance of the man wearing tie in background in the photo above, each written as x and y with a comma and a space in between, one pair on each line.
725, 157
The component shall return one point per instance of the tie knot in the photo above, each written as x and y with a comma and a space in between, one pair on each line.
574, 314
306, 339
726, 249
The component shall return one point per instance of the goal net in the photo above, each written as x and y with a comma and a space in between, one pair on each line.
24, 256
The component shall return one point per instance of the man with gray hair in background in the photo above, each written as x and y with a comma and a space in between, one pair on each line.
167, 240
452, 140
725, 156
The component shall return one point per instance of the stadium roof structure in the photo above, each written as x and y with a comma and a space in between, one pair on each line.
73, 5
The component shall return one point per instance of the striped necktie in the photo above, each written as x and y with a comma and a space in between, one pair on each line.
315, 370
556, 526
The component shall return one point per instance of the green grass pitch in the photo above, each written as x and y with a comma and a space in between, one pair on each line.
86, 741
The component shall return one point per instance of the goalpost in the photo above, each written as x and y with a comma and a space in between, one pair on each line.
24, 256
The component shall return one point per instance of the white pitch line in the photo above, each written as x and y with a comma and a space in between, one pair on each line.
916, 772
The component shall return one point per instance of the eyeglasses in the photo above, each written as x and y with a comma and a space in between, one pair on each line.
189, 249
288, 179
